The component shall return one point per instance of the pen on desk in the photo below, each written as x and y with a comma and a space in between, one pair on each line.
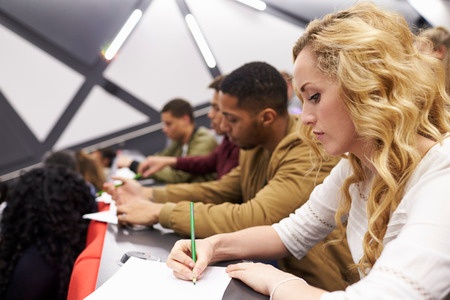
137, 176
193, 250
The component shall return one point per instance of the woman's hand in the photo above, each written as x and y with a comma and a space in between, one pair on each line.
261, 277
180, 259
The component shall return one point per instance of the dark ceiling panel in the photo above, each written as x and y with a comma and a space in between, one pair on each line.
307, 10
81, 27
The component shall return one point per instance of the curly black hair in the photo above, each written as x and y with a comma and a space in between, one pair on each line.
44, 210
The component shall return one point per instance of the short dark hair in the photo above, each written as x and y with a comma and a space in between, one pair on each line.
108, 153
215, 84
257, 85
178, 108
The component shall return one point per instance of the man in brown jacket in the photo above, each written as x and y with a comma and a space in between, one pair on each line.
274, 177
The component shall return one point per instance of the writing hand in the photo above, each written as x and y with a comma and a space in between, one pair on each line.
180, 259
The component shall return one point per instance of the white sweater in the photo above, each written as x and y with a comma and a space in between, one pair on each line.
415, 262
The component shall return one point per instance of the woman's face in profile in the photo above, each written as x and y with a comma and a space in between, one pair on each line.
323, 109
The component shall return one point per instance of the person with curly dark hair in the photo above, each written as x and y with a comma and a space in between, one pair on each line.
42, 233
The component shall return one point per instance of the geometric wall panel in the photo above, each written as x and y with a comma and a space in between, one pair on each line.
81, 28
100, 114
160, 60
436, 12
37, 85
245, 34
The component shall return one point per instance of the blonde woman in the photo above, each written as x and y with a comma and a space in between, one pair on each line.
369, 94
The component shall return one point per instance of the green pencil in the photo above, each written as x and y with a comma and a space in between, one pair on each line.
137, 176
193, 250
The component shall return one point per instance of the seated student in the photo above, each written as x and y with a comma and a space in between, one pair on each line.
224, 158
368, 93
294, 104
42, 233
273, 177
105, 158
79, 162
439, 47
62, 158
186, 139
90, 169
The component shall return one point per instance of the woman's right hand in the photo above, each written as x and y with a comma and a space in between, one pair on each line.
180, 259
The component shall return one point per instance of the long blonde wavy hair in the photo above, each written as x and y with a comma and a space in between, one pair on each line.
392, 93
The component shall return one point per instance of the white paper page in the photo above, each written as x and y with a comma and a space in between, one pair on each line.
145, 279
102, 216
108, 216
105, 198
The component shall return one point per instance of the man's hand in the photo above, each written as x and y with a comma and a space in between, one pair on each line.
153, 164
129, 191
139, 212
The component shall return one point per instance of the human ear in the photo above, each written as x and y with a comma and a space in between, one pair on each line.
267, 116
186, 119
441, 51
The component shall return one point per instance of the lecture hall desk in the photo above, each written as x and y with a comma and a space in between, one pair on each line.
114, 241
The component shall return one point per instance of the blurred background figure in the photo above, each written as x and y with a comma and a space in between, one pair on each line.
81, 163
90, 169
105, 158
62, 158
221, 161
294, 103
439, 48
185, 139
42, 232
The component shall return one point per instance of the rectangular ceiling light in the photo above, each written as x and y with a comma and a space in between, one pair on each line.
256, 4
200, 40
123, 34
